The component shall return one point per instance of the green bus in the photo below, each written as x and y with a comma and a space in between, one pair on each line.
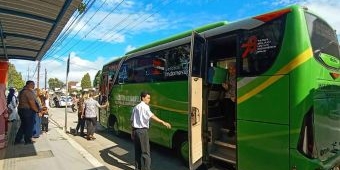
288, 92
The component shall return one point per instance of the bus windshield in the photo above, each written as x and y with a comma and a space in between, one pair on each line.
323, 39
326, 109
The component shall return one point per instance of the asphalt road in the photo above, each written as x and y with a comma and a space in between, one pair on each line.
116, 152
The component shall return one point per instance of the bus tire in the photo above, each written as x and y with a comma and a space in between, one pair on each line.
182, 147
112, 124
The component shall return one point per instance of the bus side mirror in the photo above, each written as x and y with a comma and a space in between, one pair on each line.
329, 60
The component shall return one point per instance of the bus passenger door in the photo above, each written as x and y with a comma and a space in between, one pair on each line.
197, 54
103, 113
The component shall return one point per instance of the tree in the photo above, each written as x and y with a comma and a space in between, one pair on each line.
14, 78
86, 81
55, 83
82, 7
97, 79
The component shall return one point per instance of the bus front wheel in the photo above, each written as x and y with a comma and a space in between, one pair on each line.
182, 148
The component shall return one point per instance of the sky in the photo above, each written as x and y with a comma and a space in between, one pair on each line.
110, 28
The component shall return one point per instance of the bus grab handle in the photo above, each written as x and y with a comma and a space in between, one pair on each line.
195, 116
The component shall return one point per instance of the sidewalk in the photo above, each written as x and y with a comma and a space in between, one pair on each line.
54, 150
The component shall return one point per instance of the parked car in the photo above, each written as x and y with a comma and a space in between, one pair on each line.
65, 100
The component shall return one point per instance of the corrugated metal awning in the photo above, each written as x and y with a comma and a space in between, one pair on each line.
28, 28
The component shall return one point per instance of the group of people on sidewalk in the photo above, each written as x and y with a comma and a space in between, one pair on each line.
87, 114
9, 111
28, 107
33, 113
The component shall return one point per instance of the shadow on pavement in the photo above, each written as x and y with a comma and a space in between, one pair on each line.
122, 154
119, 155
99, 168
18, 150
110, 156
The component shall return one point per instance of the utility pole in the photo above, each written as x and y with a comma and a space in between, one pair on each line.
28, 73
45, 78
67, 95
38, 76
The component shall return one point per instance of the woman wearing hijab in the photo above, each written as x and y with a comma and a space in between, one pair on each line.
12, 104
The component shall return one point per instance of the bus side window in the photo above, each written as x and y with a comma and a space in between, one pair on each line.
260, 47
122, 74
131, 76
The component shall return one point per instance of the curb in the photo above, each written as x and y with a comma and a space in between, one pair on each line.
81, 150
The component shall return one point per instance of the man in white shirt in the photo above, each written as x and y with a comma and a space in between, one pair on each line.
140, 119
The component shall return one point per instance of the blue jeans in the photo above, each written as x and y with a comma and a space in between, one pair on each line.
37, 126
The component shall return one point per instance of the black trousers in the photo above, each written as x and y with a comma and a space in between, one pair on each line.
44, 127
44, 124
228, 108
142, 149
80, 124
26, 126
91, 124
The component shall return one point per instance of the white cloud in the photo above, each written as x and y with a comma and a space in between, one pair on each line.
56, 68
148, 7
285, 2
110, 25
114, 3
327, 9
129, 48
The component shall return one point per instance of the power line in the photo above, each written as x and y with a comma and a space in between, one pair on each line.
133, 26
94, 27
97, 44
130, 25
73, 63
67, 32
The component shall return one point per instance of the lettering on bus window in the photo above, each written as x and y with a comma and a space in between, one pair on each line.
260, 46
263, 45
178, 63
165, 65
148, 69
250, 46
178, 70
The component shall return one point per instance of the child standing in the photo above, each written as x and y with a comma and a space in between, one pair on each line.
44, 119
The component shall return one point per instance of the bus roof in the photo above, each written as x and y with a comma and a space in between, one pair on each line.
179, 36
199, 30
114, 60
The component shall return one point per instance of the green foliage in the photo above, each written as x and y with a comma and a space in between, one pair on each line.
14, 78
86, 81
96, 79
82, 7
55, 83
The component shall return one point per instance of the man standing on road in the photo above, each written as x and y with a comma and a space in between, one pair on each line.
27, 109
140, 119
